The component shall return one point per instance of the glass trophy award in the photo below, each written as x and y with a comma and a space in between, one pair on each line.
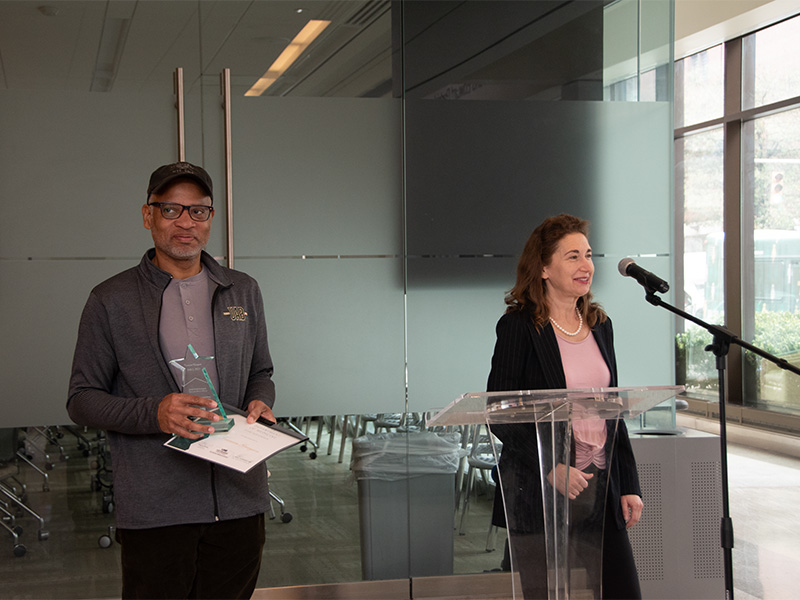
195, 381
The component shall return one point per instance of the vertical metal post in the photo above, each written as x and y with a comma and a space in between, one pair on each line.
225, 82
178, 81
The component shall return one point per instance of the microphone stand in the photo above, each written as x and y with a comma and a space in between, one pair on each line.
723, 338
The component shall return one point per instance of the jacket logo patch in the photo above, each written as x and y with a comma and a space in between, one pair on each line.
236, 313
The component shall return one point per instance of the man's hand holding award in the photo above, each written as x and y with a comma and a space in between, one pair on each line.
240, 447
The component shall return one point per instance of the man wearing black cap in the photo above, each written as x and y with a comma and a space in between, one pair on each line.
187, 528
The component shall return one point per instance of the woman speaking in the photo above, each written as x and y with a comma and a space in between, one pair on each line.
553, 336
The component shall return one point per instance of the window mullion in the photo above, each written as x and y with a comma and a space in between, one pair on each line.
732, 214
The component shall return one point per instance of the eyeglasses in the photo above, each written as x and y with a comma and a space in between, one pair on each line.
172, 210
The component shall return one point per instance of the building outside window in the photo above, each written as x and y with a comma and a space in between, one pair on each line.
762, 69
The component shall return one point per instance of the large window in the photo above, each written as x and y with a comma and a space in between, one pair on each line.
738, 198
703, 259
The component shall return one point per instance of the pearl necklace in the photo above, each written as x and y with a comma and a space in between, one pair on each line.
570, 333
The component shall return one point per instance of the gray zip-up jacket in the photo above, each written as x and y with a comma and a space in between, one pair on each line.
119, 376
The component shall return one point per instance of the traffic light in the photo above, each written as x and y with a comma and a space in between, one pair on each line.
776, 187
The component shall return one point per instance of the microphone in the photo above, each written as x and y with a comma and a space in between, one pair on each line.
652, 283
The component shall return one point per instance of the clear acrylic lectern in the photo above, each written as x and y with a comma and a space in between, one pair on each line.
555, 542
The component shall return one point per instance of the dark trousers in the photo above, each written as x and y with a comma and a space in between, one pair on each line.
205, 560
591, 520
620, 578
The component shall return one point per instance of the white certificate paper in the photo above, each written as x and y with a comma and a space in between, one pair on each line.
240, 448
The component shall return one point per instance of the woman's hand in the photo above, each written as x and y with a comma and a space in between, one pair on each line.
632, 506
578, 480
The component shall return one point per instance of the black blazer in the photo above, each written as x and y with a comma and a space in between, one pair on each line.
527, 358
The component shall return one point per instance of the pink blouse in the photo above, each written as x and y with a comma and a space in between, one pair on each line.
584, 367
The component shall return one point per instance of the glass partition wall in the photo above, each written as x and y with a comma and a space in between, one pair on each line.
384, 180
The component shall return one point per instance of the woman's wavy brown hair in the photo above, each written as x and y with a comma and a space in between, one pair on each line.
528, 294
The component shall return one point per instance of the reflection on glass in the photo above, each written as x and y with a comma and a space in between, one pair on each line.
396, 497
317, 49
503, 50
649, 86
621, 51
636, 51
353, 59
703, 257
771, 64
701, 80
773, 299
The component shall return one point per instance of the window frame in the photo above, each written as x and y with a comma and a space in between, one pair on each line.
738, 217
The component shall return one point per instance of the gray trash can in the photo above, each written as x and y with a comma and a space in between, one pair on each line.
406, 501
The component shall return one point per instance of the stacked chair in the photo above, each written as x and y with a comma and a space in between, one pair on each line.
13, 493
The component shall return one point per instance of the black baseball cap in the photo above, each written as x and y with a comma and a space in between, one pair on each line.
167, 173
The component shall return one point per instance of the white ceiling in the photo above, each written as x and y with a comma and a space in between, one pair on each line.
700, 24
